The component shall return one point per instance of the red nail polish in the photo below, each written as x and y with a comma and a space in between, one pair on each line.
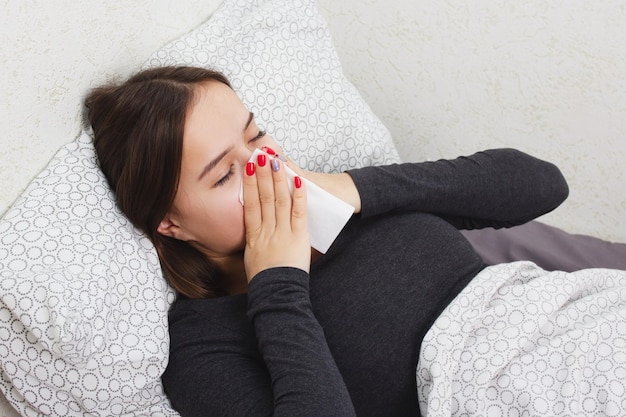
261, 159
297, 181
269, 150
250, 168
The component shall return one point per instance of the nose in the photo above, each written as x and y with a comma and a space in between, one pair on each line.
244, 153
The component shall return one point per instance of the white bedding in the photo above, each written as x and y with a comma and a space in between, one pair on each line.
523, 341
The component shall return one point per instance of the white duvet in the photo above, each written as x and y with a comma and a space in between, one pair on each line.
521, 341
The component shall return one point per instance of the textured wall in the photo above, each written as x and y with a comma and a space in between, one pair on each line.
53, 51
450, 77
446, 77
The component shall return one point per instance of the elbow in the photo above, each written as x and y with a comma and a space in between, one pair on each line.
556, 187
544, 180
563, 188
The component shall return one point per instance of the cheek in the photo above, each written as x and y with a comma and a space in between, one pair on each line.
224, 229
235, 229
217, 217
232, 212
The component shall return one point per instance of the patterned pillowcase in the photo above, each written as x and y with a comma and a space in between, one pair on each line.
83, 304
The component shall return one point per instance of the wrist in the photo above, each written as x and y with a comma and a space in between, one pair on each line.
339, 185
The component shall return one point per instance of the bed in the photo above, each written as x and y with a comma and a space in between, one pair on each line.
83, 306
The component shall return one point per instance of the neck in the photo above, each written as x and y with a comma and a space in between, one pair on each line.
235, 278
233, 274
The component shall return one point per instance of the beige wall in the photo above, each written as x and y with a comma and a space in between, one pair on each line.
53, 51
449, 77
446, 77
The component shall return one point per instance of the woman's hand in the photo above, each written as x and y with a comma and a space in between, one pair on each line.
339, 185
276, 223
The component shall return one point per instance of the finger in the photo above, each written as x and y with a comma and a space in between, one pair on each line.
274, 154
282, 195
283, 158
299, 206
251, 203
265, 183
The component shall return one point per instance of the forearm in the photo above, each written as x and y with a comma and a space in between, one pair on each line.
305, 378
498, 188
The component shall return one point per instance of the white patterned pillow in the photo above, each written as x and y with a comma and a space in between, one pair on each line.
83, 304
280, 58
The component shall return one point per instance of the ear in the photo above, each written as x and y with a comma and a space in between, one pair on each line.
170, 228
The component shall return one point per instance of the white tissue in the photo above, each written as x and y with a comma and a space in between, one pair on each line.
327, 214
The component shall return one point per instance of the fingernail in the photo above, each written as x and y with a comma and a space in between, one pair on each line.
261, 160
250, 168
275, 165
269, 150
297, 181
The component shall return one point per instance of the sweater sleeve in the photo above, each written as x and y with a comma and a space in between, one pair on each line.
304, 376
495, 188
275, 362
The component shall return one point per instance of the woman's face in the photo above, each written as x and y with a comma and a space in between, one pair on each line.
219, 137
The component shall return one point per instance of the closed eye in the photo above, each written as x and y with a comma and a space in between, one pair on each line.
259, 135
225, 178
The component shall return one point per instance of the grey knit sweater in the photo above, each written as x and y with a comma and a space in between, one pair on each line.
344, 339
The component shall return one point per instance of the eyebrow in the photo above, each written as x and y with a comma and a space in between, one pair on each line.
250, 118
215, 161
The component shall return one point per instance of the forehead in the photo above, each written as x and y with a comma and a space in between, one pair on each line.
215, 121
215, 97
215, 107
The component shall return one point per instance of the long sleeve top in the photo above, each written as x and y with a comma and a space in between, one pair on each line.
344, 339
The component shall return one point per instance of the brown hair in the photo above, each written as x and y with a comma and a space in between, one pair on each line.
138, 136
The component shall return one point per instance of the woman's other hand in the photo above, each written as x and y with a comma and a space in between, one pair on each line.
276, 222
339, 185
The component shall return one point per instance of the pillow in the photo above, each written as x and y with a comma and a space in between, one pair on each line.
280, 59
83, 303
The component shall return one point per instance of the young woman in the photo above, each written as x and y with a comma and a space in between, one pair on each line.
263, 325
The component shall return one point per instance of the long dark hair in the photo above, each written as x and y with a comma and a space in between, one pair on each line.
138, 136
